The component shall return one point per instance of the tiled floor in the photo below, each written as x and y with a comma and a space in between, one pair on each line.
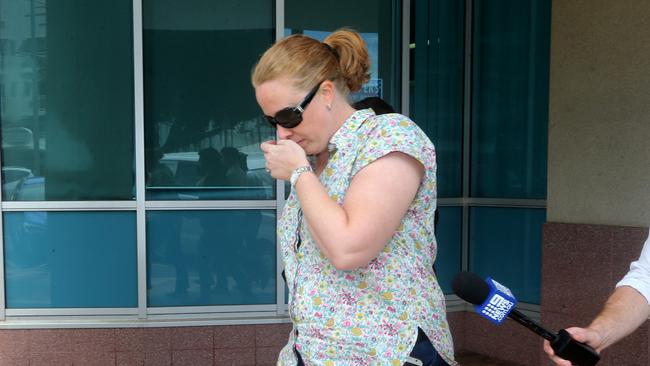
473, 359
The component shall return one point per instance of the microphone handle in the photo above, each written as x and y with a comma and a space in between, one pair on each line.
563, 344
522, 319
579, 354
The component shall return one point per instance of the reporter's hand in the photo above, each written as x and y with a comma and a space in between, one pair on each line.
283, 157
583, 335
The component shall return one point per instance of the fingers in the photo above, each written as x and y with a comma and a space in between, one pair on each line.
266, 146
585, 335
558, 361
589, 336
282, 157
271, 145
285, 142
578, 334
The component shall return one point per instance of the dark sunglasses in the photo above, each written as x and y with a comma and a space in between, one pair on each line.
291, 117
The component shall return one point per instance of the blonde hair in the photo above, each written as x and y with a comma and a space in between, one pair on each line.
342, 57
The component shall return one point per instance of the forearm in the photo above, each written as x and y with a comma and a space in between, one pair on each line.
625, 310
328, 221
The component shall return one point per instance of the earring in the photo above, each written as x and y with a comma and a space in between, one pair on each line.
329, 107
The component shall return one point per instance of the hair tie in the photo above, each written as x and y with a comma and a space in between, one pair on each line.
332, 49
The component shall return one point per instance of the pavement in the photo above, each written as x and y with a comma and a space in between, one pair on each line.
474, 359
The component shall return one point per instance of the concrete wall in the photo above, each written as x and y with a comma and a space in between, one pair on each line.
599, 113
599, 162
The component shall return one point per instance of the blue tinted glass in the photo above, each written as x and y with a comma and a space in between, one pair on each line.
203, 126
510, 98
221, 257
70, 259
436, 84
66, 100
378, 23
448, 236
505, 244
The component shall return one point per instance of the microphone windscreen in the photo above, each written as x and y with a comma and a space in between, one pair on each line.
470, 287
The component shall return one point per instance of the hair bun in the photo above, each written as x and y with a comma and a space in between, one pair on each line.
354, 62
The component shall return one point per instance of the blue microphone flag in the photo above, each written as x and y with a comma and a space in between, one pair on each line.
499, 303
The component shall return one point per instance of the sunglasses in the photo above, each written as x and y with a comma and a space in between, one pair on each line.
291, 117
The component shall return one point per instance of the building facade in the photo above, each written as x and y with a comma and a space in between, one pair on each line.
138, 223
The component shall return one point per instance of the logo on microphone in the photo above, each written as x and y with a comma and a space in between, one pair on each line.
499, 303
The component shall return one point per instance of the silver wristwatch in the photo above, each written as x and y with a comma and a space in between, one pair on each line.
296, 173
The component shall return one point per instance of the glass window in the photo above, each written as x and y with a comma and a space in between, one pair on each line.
436, 84
221, 257
67, 120
203, 126
510, 98
448, 237
505, 244
378, 22
70, 259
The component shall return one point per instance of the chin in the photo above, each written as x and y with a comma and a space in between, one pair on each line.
308, 149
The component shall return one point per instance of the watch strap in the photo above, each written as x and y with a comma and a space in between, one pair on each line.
296, 173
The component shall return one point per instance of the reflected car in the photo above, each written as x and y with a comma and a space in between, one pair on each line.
184, 167
11, 177
29, 189
184, 170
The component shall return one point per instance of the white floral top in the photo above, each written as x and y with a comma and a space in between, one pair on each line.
369, 316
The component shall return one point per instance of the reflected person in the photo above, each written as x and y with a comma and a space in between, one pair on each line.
235, 169
160, 175
211, 168
211, 175
378, 105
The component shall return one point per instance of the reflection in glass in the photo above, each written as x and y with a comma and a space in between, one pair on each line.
70, 259
221, 257
505, 244
378, 22
448, 238
203, 126
436, 84
66, 100
510, 98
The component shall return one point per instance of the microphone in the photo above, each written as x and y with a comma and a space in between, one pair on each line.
495, 302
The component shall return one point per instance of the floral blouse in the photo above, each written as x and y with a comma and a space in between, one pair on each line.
371, 315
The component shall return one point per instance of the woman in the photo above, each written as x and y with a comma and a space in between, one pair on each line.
357, 229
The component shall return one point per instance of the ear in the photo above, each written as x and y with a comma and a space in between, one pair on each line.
328, 91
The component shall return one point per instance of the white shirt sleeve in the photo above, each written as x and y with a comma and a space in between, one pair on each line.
639, 275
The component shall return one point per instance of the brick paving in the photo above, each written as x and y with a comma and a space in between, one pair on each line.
474, 359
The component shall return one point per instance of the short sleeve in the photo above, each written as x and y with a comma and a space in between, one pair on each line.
396, 133
639, 275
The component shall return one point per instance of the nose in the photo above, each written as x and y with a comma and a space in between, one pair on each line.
284, 133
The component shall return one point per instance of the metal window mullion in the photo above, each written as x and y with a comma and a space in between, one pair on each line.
70, 312
467, 118
69, 206
153, 321
505, 202
212, 310
232, 318
138, 100
3, 305
406, 34
281, 308
211, 205
492, 202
